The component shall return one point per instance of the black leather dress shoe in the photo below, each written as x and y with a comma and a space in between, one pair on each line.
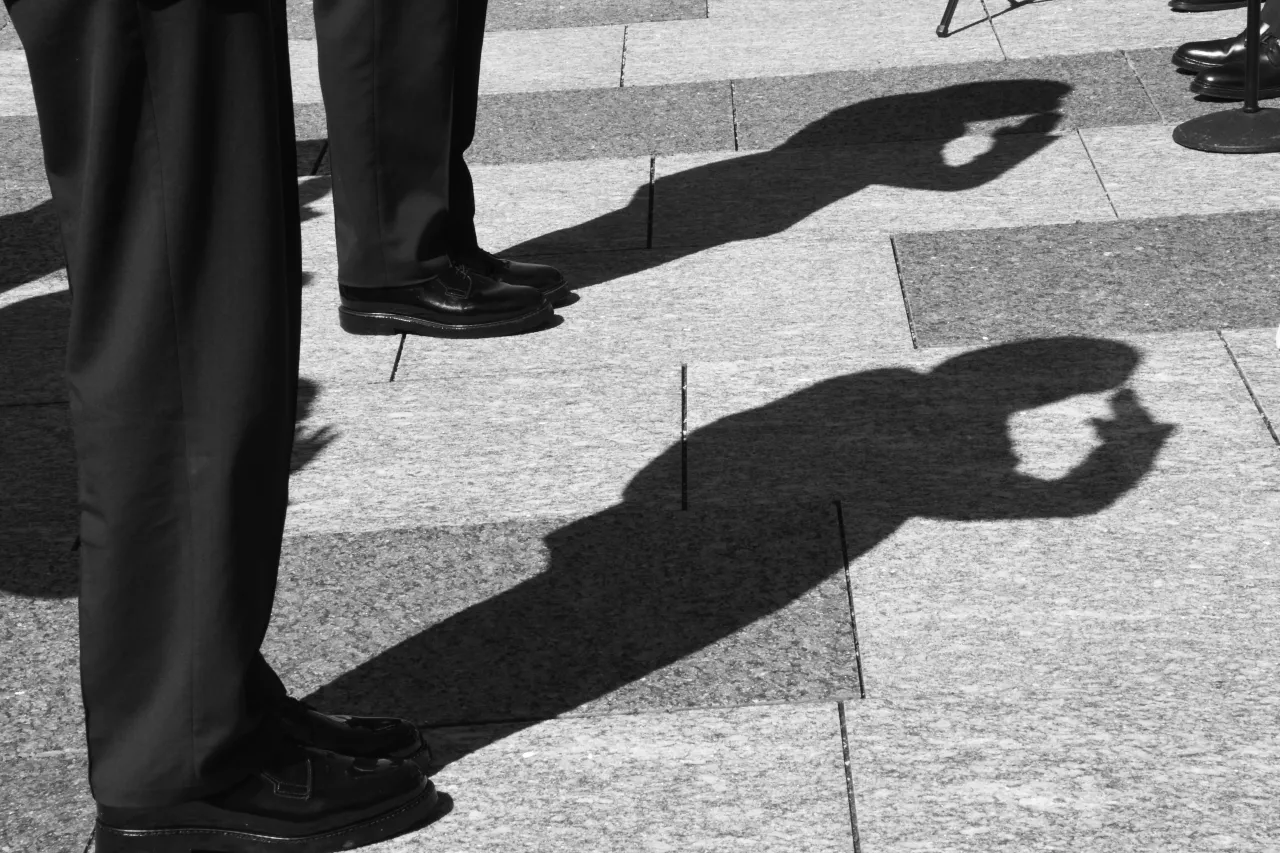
454, 304
1206, 5
1201, 55
1227, 82
303, 801
548, 281
359, 737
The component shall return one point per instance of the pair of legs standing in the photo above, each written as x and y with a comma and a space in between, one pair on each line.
169, 145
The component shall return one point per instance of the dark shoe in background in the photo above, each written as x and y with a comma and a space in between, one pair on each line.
454, 304
359, 737
548, 281
1206, 5
303, 801
1227, 82
1199, 56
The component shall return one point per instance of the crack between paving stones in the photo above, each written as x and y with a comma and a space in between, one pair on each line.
733, 113
684, 437
399, 351
324, 149
1257, 404
653, 170
848, 777
1129, 60
622, 70
902, 288
848, 588
1102, 184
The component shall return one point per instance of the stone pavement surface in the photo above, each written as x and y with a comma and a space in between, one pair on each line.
903, 478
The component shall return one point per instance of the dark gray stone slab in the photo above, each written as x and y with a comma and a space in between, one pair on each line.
37, 474
940, 101
1168, 87
30, 239
549, 14
23, 158
1149, 275
616, 612
45, 804
574, 125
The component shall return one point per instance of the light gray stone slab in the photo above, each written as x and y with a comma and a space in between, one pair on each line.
582, 205
455, 450
1173, 587
628, 609
772, 37
45, 804
767, 779
547, 14
1168, 87
1146, 173
545, 60
1085, 26
304, 71
971, 182
1257, 352
40, 703
329, 355
16, 97
1001, 432
1043, 770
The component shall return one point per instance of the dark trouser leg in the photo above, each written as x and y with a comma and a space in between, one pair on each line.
1271, 15
466, 95
168, 140
386, 70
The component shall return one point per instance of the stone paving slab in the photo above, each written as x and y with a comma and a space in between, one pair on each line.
940, 101
546, 60
1168, 87
765, 38
16, 98
967, 435
609, 123
548, 14
536, 443
625, 610
1146, 174
767, 779
1174, 588
1136, 276
37, 473
30, 239
33, 333
1085, 26
972, 182
1257, 352
585, 205
1041, 770
45, 805
40, 704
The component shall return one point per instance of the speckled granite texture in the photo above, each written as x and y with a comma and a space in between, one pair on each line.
24, 158
858, 192
552, 60
615, 612
1063, 769
1168, 87
1084, 26
16, 98
603, 123
940, 101
972, 435
721, 781
40, 704
45, 804
548, 443
1257, 352
30, 240
1173, 587
1149, 275
37, 473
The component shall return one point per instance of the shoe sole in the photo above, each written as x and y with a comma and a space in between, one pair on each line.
1178, 6
381, 323
1192, 65
1225, 94
201, 840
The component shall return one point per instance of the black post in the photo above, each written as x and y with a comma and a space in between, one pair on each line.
1249, 130
947, 14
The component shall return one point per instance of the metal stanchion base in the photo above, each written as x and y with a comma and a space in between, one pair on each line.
1232, 132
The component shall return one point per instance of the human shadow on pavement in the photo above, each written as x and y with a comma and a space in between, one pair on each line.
631, 590
758, 195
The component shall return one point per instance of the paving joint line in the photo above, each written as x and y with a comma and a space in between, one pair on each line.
622, 70
1101, 183
1164, 119
1257, 404
848, 588
324, 149
848, 777
684, 437
653, 171
399, 351
902, 288
733, 113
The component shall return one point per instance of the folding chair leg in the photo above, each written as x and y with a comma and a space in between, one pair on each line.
946, 18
